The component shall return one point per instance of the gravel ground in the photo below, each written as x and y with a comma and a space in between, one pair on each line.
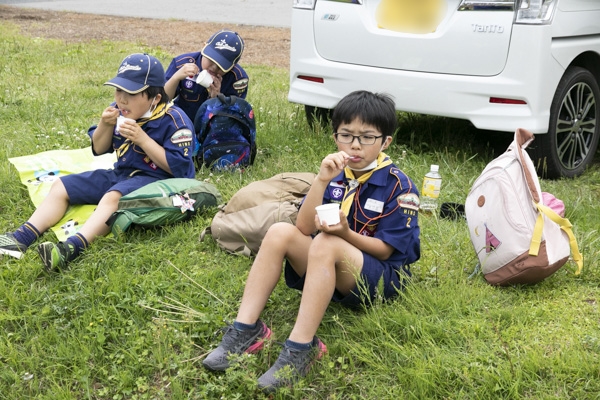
264, 45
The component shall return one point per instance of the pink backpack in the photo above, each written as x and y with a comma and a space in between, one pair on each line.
518, 239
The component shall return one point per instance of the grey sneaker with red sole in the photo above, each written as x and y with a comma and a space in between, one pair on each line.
291, 365
237, 342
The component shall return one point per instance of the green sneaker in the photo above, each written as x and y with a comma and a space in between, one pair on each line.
54, 256
10, 246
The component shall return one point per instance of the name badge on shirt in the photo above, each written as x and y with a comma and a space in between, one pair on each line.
374, 205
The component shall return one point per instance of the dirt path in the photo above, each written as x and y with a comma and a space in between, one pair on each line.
264, 45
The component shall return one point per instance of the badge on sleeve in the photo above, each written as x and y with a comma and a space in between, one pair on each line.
240, 85
409, 201
182, 136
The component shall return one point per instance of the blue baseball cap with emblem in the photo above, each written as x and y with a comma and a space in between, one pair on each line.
137, 73
224, 48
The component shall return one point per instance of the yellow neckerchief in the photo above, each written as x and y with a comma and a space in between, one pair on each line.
382, 161
158, 112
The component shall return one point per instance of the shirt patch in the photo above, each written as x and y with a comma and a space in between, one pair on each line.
336, 193
369, 230
150, 163
188, 83
409, 200
374, 205
182, 135
241, 84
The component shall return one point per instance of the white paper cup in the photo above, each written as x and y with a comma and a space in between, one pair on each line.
329, 213
120, 120
204, 79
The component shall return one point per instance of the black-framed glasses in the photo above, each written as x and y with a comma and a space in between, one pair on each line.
347, 138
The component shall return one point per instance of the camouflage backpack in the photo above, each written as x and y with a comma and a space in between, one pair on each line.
163, 202
226, 132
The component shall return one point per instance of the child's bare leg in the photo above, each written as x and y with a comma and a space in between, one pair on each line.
282, 240
332, 263
247, 333
52, 209
96, 224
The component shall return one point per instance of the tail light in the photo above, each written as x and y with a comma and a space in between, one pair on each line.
533, 12
537, 12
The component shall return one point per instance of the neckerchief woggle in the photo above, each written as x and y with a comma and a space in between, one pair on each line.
353, 183
158, 112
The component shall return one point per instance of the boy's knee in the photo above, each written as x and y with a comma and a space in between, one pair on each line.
325, 240
111, 198
58, 186
324, 244
281, 230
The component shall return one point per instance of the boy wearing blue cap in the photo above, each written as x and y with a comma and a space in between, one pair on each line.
365, 255
219, 58
155, 142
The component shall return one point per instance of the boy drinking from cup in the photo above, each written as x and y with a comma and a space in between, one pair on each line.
153, 140
219, 58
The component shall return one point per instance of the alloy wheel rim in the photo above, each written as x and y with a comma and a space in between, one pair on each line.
576, 125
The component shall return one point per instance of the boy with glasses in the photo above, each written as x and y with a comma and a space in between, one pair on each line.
376, 240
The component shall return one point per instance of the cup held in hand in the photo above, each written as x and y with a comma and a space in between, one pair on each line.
204, 79
329, 213
120, 120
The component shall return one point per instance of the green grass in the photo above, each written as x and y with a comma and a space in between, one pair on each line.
134, 315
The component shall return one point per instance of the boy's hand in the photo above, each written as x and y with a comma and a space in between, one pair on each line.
110, 115
340, 229
215, 86
332, 165
188, 70
132, 131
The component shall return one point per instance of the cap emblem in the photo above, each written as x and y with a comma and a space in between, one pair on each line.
127, 67
222, 45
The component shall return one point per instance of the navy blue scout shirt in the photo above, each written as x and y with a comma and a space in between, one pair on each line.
389, 204
173, 131
190, 96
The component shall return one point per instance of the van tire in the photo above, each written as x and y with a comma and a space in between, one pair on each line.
570, 145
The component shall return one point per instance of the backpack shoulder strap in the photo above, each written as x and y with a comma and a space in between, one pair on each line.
227, 100
566, 227
522, 138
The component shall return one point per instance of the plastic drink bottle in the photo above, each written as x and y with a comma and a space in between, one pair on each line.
432, 183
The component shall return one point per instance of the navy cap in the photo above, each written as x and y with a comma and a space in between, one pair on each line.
137, 73
224, 48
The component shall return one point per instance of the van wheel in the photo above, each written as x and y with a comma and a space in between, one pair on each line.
572, 139
317, 116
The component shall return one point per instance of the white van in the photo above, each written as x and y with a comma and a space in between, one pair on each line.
501, 64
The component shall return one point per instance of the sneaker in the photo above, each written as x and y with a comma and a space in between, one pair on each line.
54, 256
10, 246
237, 342
290, 365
